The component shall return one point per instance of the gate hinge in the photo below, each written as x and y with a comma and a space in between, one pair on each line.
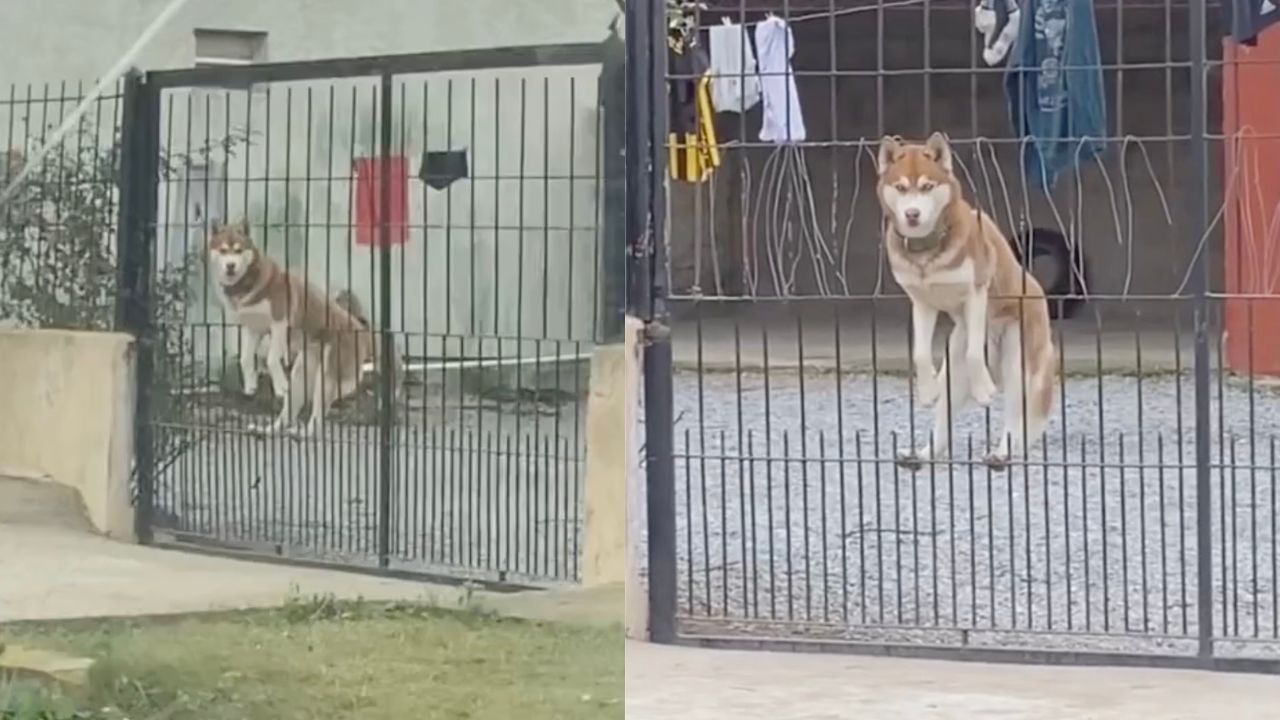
655, 331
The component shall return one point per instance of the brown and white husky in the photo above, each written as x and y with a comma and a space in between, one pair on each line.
325, 342
951, 258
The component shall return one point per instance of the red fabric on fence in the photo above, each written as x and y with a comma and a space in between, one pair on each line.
368, 201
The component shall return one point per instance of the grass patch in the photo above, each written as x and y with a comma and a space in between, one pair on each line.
320, 658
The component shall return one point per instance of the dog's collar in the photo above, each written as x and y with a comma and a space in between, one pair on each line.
928, 243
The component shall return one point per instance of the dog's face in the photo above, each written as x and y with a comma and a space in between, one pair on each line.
916, 183
231, 251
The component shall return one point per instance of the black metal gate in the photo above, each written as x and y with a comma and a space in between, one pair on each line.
1140, 530
457, 196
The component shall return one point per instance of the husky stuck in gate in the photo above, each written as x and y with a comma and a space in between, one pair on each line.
949, 257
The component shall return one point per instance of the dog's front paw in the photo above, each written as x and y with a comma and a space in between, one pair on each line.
300, 432
997, 460
910, 460
981, 387
265, 429
250, 389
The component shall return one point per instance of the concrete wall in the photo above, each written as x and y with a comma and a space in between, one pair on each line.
1127, 239
68, 417
605, 527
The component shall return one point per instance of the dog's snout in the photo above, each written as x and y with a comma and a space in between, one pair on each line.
912, 215
231, 267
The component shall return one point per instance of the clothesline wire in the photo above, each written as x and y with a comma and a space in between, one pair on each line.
835, 13
881, 6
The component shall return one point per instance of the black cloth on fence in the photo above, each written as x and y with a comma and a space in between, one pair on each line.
1246, 19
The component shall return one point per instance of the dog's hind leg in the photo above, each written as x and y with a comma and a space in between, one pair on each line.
320, 380
339, 377
249, 341
276, 352
982, 388
955, 395
295, 386
1028, 396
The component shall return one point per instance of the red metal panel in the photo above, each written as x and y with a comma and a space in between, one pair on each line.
1251, 187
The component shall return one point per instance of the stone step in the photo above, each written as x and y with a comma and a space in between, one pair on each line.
44, 666
26, 501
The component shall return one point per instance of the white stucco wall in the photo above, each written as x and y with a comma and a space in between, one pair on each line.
54, 40
294, 180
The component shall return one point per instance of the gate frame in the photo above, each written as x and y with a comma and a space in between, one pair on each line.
647, 274
136, 244
646, 224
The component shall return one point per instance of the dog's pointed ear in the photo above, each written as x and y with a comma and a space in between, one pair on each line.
889, 147
242, 225
940, 148
216, 227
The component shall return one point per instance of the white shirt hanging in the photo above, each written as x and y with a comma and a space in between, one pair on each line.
996, 41
735, 87
783, 121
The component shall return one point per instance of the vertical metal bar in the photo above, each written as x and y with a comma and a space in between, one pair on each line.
768, 472
659, 463
804, 466
611, 171
386, 344
786, 520
399, 472
1198, 222
1182, 476
140, 156
291, 476
331, 499
724, 527
688, 525
131, 141
822, 502
844, 509
1164, 561
1275, 556
1142, 479
748, 564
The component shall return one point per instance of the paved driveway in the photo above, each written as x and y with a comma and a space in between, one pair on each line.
52, 573
694, 684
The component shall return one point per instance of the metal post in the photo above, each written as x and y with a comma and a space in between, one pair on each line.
637, 158
139, 155
127, 225
386, 341
1199, 218
646, 209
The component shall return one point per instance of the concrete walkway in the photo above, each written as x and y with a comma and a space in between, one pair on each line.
52, 573
693, 684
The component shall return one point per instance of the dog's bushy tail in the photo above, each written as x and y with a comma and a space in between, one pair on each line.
347, 300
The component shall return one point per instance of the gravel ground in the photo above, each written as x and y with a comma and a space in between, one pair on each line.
474, 497
793, 520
